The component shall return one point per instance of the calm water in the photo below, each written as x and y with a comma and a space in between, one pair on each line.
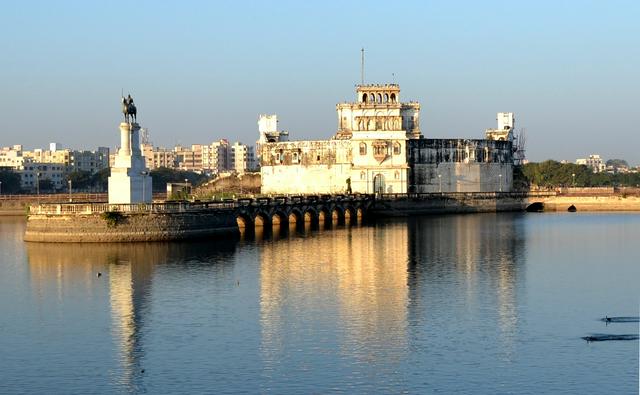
488, 303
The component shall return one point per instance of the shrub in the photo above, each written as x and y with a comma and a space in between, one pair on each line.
113, 218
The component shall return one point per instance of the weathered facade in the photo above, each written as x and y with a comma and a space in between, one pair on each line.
379, 148
457, 165
307, 167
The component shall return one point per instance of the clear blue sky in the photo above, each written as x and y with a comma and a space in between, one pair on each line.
201, 71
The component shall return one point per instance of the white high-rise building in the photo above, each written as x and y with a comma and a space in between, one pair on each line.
594, 161
242, 158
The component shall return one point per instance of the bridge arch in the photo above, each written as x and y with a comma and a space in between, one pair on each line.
359, 214
262, 220
312, 211
244, 221
535, 207
295, 216
350, 217
324, 217
279, 218
337, 215
310, 216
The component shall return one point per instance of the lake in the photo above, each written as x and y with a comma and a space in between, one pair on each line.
476, 303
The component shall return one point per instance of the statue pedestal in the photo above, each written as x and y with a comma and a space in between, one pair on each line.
129, 182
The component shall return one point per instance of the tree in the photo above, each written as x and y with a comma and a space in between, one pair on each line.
617, 163
80, 179
162, 175
555, 174
10, 181
100, 179
45, 184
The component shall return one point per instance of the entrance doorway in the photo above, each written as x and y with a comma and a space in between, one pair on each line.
378, 183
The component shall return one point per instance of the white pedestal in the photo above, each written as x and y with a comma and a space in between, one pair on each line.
129, 182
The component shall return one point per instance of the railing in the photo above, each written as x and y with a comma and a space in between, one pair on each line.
181, 207
98, 208
461, 195
56, 197
300, 199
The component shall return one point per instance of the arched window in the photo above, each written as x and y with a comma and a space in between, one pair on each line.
380, 150
379, 98
364, 97
386, 98
362, 175
396, 148
393, 98
363, 148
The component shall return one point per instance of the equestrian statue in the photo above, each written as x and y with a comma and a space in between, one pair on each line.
129, 109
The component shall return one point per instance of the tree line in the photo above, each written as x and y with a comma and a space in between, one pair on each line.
551, 173
98, 181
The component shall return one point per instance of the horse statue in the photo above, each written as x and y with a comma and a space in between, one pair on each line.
129, 109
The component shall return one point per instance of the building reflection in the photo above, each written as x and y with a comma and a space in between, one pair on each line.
483, 254
356, 277
128, 271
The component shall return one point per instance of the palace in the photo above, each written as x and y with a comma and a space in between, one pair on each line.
379, 148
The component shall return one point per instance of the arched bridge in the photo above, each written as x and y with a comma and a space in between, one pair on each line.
321, 210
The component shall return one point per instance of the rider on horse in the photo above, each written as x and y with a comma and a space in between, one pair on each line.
129, 109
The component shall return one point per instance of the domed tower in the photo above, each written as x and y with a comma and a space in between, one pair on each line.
378, 108
378, 125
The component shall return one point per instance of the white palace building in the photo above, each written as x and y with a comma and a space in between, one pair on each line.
379, 148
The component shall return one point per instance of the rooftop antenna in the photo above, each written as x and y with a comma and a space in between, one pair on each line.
362, 66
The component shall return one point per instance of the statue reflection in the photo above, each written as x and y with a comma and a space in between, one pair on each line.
355, 276
128, 269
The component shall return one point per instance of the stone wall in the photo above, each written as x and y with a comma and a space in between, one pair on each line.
305, 167
448, 204
459, 165
311, 179
129, 227
590, 203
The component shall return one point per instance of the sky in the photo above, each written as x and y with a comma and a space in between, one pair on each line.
202, 71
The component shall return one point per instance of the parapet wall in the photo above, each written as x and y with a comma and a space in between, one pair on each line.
448, 203
130, 227
19, 204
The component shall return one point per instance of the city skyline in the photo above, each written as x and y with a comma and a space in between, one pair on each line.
204, 72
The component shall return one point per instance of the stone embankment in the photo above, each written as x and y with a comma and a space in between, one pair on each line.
101, 222
128, 223
448, 203
590, 203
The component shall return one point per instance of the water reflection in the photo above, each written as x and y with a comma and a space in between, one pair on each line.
354, 292
483, 255
418, 305
375, 283
346, 289
128, 269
